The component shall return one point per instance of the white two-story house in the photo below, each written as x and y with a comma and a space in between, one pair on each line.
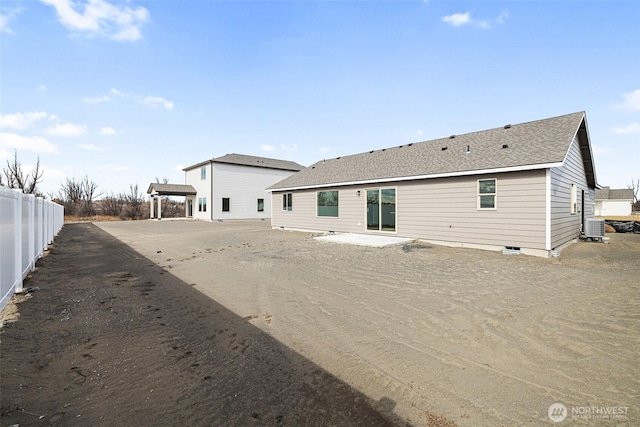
233, 186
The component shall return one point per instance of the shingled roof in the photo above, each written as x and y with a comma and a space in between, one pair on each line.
533, 145
245, 160
607, 193
171, 189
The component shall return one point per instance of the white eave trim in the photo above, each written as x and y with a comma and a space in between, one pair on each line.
418, 177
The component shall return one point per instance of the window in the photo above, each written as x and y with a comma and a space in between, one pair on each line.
327, 203
260, 205
203, 172
202, 204
574, 199
486, 194
287, 202
225, 204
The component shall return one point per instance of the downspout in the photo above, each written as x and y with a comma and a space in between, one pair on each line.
211, 204
547, 222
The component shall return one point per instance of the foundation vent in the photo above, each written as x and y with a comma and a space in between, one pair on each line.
511, 250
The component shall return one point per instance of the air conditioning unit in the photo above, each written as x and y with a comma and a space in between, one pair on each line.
594, 228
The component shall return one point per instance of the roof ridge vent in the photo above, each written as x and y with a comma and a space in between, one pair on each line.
452, 136
508, 126
444, 148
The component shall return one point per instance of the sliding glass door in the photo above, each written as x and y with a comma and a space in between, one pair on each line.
381, 209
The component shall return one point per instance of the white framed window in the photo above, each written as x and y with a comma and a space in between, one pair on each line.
327, 203
203, 172
487, 194
574, 199
202, 204
287, 202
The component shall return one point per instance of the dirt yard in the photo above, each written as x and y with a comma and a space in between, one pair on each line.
301, 332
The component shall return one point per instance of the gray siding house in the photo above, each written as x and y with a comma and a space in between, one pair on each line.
527, 187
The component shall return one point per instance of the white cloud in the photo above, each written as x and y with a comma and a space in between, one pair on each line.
631, 128
4, 23
6, 16
631, 101
289, 149
157, 101
266, 147
35, 144
107, 130
113, 168
90, 147
502, 18
117, 92
51, 173
21, 120
66, 129
42, 88
457, 19
600, 150
96, 100
99, 17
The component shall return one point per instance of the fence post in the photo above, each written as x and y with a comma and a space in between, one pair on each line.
17, 236
32, 231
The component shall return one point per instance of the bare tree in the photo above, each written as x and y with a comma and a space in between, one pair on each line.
134, 202
635, 186
112, 204
89, 193
16, 178
78, 196
71, 195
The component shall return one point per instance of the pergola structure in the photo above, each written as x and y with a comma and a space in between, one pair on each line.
156, 191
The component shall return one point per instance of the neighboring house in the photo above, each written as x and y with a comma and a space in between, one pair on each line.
526, 187
234, 186
614, 202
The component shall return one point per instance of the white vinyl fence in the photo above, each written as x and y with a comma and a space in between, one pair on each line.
27, 225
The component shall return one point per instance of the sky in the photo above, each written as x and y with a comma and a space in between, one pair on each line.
127, 92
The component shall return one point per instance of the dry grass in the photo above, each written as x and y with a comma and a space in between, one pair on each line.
635, 217
95, 218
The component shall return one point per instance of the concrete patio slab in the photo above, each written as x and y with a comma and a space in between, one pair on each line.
365, 240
